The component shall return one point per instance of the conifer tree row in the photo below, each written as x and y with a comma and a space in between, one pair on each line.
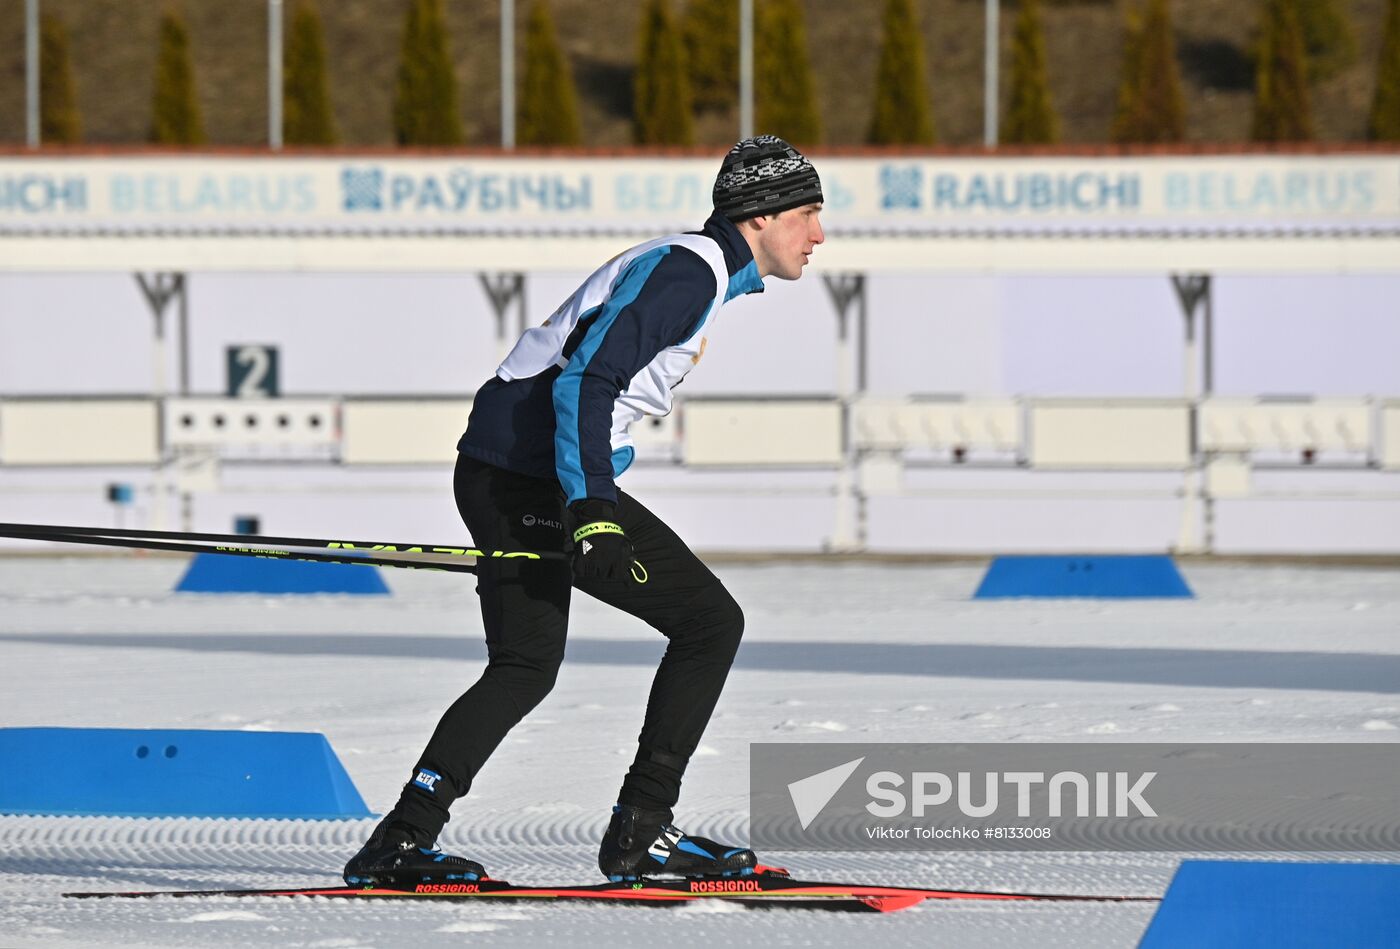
1328, 41
689, 63
548, 111
1150, 104
307, 118
58, 102
784, 92
176, 118
661, 90
1385, 105
1030, 115
902, 115
425, 95
711, 31
1282, 103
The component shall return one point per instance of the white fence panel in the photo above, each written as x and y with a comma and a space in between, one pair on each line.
1249, 425
402, 432
762, 432
79, 432
1390, 435
1117, 434
899, 424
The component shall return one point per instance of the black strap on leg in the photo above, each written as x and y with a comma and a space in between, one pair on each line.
674, 762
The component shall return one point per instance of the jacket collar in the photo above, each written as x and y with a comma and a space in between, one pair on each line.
738, 258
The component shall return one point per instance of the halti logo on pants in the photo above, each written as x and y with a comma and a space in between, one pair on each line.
427, 779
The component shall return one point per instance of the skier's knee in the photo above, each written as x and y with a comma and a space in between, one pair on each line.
536, 690
527, 685
722, 619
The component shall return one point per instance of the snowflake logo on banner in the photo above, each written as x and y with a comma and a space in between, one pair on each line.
362, 189
900, 186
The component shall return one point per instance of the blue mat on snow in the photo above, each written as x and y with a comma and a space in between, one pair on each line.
1107, 576
1239, 905
140, 772
223, 573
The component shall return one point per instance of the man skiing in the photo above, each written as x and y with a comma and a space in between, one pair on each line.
536, 470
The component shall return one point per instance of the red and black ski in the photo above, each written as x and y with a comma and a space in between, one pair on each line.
763, 890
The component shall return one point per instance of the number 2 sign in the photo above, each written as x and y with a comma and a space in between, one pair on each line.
252, 371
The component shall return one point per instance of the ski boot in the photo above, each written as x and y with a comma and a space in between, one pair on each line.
641, 843
395, 853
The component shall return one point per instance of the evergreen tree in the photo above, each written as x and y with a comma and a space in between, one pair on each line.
1282, 107
58, 105
306, 103
1128, 113
783, 87
425, 95
902, 113
1030, 115
1328, 39
1150, 104
661, 92
548, 103
1385, 107
176, 117
711, 31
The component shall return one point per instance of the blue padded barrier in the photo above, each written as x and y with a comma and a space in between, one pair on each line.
224, 573
1096, 576
138, 772
1240, 905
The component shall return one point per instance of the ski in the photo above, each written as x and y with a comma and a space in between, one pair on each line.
760, 890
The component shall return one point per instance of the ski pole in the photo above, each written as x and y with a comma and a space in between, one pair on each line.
67, 534
250, 545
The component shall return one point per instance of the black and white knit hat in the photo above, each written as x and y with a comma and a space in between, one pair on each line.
764, 175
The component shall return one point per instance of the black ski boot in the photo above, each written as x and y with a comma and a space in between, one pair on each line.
394, 853
642, 843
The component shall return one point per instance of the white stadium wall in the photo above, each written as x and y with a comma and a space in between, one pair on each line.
1023, 380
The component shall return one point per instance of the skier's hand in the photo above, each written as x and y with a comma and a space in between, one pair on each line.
601, 549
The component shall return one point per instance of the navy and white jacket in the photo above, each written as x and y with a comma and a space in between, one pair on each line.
560, 404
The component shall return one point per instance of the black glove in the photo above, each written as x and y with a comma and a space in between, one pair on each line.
601, 550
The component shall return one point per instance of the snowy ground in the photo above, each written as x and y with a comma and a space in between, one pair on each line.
832, 653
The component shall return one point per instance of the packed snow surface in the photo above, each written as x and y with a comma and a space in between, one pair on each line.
845, 653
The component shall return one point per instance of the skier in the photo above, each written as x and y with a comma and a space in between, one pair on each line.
546, 438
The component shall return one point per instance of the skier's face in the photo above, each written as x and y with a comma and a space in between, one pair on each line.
786, 241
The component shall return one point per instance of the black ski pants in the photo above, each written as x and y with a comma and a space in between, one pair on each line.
525, 610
